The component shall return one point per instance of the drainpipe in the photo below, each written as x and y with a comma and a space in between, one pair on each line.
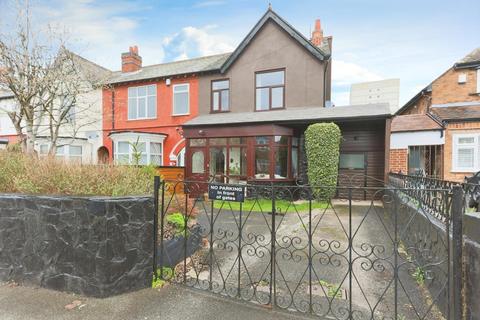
327, 64
113, 120
113, 108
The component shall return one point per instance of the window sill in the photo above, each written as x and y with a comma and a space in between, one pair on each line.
180, 115
273, 109
456, 170
140, 119
225, 111
474, 94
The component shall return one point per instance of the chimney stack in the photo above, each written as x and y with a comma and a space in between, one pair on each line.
131, 61
317, 34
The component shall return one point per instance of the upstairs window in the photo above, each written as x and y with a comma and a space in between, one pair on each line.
181, 99
142, 102
269, 90
220, 95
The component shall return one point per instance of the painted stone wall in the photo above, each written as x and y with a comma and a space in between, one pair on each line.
92, 246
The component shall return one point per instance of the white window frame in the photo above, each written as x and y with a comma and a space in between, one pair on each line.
456, 146
66, 151
174, 100
132, 138
146, 102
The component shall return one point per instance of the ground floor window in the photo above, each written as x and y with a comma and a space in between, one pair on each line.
242, 158
425, 160
138, 148
67, 152
465, 155
352, 161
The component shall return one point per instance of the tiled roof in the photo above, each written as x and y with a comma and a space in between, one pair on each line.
321, 52
292, 115
457, 113
203, 64
473, 56
91, 70
414, 122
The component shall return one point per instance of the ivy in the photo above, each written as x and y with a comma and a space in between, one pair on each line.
322, 142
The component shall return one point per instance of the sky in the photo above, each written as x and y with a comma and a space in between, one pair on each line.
414, 41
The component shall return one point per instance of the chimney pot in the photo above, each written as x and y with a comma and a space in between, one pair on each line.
317, 34
131, 61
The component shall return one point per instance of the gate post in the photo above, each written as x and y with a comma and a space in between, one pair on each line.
457, 254
156, 186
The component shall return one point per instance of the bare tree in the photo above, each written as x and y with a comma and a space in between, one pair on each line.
45, 81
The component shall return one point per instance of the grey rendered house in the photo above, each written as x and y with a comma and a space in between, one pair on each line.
254, 109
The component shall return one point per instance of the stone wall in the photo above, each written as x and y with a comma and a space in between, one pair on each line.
91, 246
471, 253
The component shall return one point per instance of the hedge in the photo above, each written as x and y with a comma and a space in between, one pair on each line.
322, 143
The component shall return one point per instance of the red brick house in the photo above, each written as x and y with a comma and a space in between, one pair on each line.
437, 132
145, 106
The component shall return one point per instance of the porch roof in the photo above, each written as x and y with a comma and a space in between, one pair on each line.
295, 115
414, 122
457, 113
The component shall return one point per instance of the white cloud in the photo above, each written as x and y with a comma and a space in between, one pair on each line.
346, 73
194, 42
208, 3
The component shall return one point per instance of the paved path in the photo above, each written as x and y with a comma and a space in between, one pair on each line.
171, 302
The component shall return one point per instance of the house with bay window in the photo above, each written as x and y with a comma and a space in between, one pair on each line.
254, 108
144, 108
80, 132
437, 132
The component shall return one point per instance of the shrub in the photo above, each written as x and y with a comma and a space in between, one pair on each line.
322, 142
24, 174
177, 220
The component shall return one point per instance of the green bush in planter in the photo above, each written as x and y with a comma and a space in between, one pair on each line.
322, 143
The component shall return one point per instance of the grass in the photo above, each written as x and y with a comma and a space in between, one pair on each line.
159, 280
265, 205
333, 291
29, 175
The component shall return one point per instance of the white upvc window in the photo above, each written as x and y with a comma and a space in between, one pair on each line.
181, 99
142, 102
68, 153
465, 156
138, 148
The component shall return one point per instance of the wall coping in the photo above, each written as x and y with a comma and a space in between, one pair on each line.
74, 197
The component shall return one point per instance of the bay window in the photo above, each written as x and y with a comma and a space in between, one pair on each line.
68, 152
138, 148
142, 102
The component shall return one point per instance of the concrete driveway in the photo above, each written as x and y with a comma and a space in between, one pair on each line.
171, 302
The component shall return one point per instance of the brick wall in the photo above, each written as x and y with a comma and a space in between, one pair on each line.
420, 107
398, 160
451, 129
446, 89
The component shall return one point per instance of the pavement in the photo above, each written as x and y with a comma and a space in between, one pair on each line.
170, 302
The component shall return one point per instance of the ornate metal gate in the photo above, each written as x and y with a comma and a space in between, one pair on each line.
286, 247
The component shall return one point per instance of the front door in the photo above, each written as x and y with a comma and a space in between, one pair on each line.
197, 168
